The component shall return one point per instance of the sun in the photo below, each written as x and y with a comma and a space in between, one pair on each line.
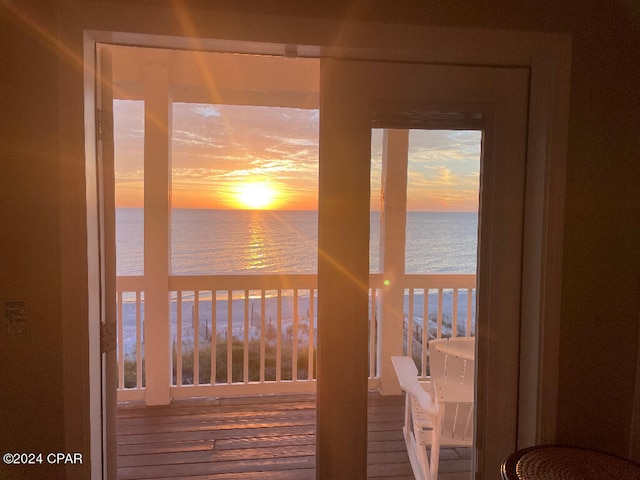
256, 196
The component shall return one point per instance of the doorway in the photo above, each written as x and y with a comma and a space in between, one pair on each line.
541, 157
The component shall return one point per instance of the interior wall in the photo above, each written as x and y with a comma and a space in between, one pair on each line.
601, 279
31, 380
600, 304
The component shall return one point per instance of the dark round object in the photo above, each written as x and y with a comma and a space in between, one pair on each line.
553, 462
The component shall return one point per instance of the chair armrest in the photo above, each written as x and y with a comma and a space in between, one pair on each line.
408, 377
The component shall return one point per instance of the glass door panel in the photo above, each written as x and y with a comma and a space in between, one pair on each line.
356, 97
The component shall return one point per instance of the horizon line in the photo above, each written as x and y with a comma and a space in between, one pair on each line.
289, 210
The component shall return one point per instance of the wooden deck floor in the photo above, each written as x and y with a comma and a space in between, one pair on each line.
269, 437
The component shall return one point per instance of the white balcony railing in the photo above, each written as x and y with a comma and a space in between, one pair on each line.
233, 334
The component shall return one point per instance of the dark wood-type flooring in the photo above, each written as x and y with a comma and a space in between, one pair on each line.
267, 437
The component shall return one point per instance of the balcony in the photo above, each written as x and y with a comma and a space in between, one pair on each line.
256, 417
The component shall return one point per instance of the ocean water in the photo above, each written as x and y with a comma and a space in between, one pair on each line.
210, 242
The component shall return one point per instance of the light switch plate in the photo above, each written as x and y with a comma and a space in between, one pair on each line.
15, 314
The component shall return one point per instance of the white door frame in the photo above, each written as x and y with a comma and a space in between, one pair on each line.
548, 58
107, 240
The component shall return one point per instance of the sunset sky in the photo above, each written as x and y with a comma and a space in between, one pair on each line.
227, 156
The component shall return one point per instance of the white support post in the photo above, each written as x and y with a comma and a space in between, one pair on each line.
393, 216
157, 221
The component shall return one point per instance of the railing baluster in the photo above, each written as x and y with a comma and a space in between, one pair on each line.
245, 365
439, 332
425, 331
310, 363
454, 314
469, 305
440, 312
263, 326
138, 342
294, 346
196, 337
410, 325
229, 337
214, 336
373, 329
179, 338
279, 338
120, 352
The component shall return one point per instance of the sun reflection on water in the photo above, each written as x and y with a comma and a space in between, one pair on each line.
255, 254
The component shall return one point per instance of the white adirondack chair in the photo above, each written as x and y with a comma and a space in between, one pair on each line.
452, 369
437, 418
422, 420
